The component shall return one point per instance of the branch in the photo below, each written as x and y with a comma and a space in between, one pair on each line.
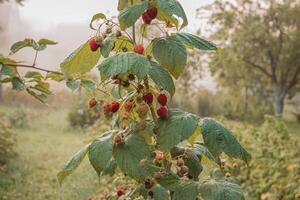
258, 67
294, 80
33, 67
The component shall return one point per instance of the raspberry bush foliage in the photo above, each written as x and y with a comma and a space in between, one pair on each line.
161, 152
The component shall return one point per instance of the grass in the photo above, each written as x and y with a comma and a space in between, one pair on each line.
43, 148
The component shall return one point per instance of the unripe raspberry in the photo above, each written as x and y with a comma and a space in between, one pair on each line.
120, 192
142, 110
93, 44
119, 140
152, 12
138, 48
148, 98
115, 106
90, 198
162, 99
106, 107
149, 184
146, 18
184, 170
159, 155
180, 162
118, 33
162, 112
92, 103
129, 105
125, 84
131, 77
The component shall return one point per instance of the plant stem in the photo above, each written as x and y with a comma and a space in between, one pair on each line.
32, 67
35, 57
133, 28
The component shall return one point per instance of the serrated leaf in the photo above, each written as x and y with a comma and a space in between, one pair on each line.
124, 63
171, 54
173, 7
130, 15
187, 190
110, 168
160, 193
169, 181
162, 78
40, 97
195, 41
42, 87
82, 60
44, 42
100, 153
73, 84
123, 43
17, 84
72, 164
163, 15
195, 135
108, 45
127, 3
217, 138
205, 152
22, 44
220, 189
88, 85
96, 17
129, 155
33, 74
178, 127
8, 70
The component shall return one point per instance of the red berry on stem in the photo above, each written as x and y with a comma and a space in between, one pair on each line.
128, 105
152, 12
139, 49
107, 107
115, 106
120, 192
148, 98
162, 99
93, 44
146, 18
159, 155
162, 112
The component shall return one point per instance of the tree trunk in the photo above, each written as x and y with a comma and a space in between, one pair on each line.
278, 99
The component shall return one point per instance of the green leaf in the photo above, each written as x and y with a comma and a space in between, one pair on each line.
73, 84
202, 150
17, 84
55, 76
8, 70
165, 16
100, 153
82, 60
22, 44
130, 15
96, 17
186, 190
110, 168
123, 42
42, 87
220, 189
127, 3
129, 155
169, 181
217, 138
124, 63
173, 7
40, 97
178, 127
160, 193
43, 44
171, 54
33, 74
195, 41
108, 45
162, 78
72, 164
88, 85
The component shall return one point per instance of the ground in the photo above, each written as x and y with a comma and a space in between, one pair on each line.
43, 148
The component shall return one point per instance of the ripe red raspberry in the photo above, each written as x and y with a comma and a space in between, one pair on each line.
139, 49
146, 18
106, 107
159, 155
162, 112
120, 192
93, 44
92, 103
162, 99
128, 105
152, 12
115, 106
148, 98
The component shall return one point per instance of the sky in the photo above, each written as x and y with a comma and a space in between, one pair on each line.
45, 13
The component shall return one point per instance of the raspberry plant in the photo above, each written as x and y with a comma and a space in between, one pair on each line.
161, 151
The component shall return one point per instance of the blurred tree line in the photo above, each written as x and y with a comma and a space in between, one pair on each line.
258, 66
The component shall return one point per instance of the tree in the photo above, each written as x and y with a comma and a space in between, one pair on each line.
136, 86
18, 1
260, 38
